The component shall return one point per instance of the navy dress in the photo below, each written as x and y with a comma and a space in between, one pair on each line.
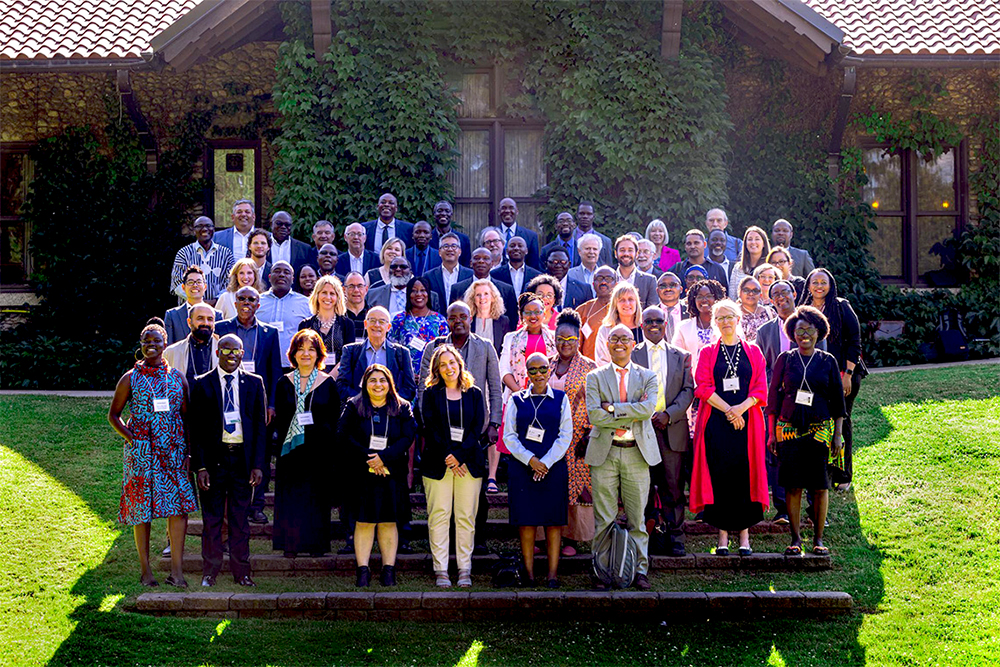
538, 503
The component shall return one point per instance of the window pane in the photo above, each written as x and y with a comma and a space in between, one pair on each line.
12, 253
884, 187
930, 231
472, 177
472, 218
524, 167
234, 174
936, 183
887, 246
16, 170
474, 96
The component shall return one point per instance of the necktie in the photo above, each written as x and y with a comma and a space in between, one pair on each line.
622, 395
229, 404
420, 263
569, 251
509, 234
656, 365
384, 233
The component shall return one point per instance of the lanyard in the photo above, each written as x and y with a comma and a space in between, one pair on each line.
732, 363
535, 406
805, 369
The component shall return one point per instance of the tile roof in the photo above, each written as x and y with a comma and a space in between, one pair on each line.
78, 29
915, 27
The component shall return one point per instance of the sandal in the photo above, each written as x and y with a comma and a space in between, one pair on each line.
441, 579
745, 551
491, 486
170, 581
721, 551
568, 551
793, 550
820, 550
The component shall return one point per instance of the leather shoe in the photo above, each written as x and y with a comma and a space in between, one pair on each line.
388, 575
642, 582
208, 581
677, 550
257, 517
246, 581
166, 552
364, 577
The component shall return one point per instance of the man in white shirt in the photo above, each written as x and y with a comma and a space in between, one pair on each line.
625, 252
515, 272
509, 228
589, 248
387, 226
442, 278
236, 237
284, 248
356, 258
490, 239
668, 289
282, 308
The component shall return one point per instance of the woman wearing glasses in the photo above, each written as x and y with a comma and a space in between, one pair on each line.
780, 259
729, 480
538, 429
754, 314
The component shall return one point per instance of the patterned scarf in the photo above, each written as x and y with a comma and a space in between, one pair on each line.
822, 432
296, 432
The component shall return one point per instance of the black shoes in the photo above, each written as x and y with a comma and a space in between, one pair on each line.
388, 575
246, 581
257, 516
208, 581
364, 577
642, 582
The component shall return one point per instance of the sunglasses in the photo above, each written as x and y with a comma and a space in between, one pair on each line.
230, 353
538, 370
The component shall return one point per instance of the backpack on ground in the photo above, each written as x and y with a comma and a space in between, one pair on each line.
507, 573
615, 557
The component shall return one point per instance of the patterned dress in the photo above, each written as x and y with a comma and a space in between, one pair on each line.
580, 526
415, 332
752, 321
156, 485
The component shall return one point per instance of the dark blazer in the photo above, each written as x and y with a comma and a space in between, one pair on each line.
502, 273
463, 240
368, 259
501, 327
206, 420
379, 296
803, 262
506, 292
436, 278
576, 293
715, 271
175, 321
267, 356
357, 432
531, 238
404, 230
432, 260
557, 243
224, 237
354, 363
678, 393
646, 284
301, 254
437, 434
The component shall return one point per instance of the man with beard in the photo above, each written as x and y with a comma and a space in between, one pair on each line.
356, 257
510, 228
387, 226
490, 239
216, 261
392, 297
355, 291
175, 320
557, 266
282, 308
694, 248
326, 260
717, 251
482, 261
284, 247
422, 256
565, 227
593, 312
194, 354
644, 258
443, 212
625, 251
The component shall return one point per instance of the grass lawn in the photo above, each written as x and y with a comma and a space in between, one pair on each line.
915, 542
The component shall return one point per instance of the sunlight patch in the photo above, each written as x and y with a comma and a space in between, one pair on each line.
471, 657
775, 659
109, 602
219, 629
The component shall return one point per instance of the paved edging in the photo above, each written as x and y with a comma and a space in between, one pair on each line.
278, 565
496, 606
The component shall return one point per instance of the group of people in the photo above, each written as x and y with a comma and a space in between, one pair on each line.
603, 371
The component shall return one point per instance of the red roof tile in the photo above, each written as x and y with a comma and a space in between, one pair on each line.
56, 29
915, 27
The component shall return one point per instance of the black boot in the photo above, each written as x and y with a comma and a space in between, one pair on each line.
388, 575
364, 577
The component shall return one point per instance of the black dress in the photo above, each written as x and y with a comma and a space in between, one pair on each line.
726, 452
306, 477
339, 335
374, 498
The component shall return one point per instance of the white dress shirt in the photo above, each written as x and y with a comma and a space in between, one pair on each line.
357, 263
450, 278
381, 235
240, 243
236, 436
517, 278
559, 447
631, 278
281, 252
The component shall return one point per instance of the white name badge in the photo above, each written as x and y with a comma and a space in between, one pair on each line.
161, 405
586, 330
248, 366
231, 417
803, 397
330, 360
536, 434
730, 384
279, 325
417, 344
378, 442
304, 418
457, 434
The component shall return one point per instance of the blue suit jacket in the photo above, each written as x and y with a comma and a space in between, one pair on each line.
267, 356
502, 273
463, 240
432, 260
206, 421
557, 243
404, 230
354, 363
368, 259
175, 321
576, 293
436, 279
224, 237
531, 238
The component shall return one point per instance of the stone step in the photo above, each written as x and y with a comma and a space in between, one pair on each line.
418, 499
277, 564
510, 605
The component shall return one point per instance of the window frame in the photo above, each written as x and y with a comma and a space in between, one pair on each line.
910, 213
211, 145
22, 148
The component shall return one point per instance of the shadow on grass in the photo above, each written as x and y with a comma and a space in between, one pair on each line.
83, 455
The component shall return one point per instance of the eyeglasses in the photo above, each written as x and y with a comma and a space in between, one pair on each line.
725, 319
194, 283
546, 297
533, 313
398, 267
450, 246
353, 287
355, 234
383, 322
603, 279
621, 339
567, 339
653, 320
538, 370
230, 352
247, 299
808, 331
668, 286
751, 291
780, 262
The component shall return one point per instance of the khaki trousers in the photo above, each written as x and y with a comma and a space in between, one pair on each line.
627, 473
458, 495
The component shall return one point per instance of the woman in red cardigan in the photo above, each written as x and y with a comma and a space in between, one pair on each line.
729, 481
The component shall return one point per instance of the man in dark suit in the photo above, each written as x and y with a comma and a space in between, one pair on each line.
175, 320
672, 366
565, 226
585, 225
356, 257
442, 225
357, 357
694, 247
387, 226
444, 277
557, 266
626, 249
509, 228
227, 449
284, 247
482, 260
422, 256
514, 271
262, 356
781, 234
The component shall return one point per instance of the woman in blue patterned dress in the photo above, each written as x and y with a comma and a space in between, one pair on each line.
418, 324
156, 482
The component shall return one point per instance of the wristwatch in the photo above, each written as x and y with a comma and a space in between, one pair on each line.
611, 408
848, 371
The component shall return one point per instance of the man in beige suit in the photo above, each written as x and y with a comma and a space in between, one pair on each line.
621, 398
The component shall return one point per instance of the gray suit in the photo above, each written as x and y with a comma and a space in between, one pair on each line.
803, 262
481, 360
615, 469
668, 476
646, 284
576, 273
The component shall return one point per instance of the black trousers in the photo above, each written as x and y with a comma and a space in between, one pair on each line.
666, 480
229, 487
848, 434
